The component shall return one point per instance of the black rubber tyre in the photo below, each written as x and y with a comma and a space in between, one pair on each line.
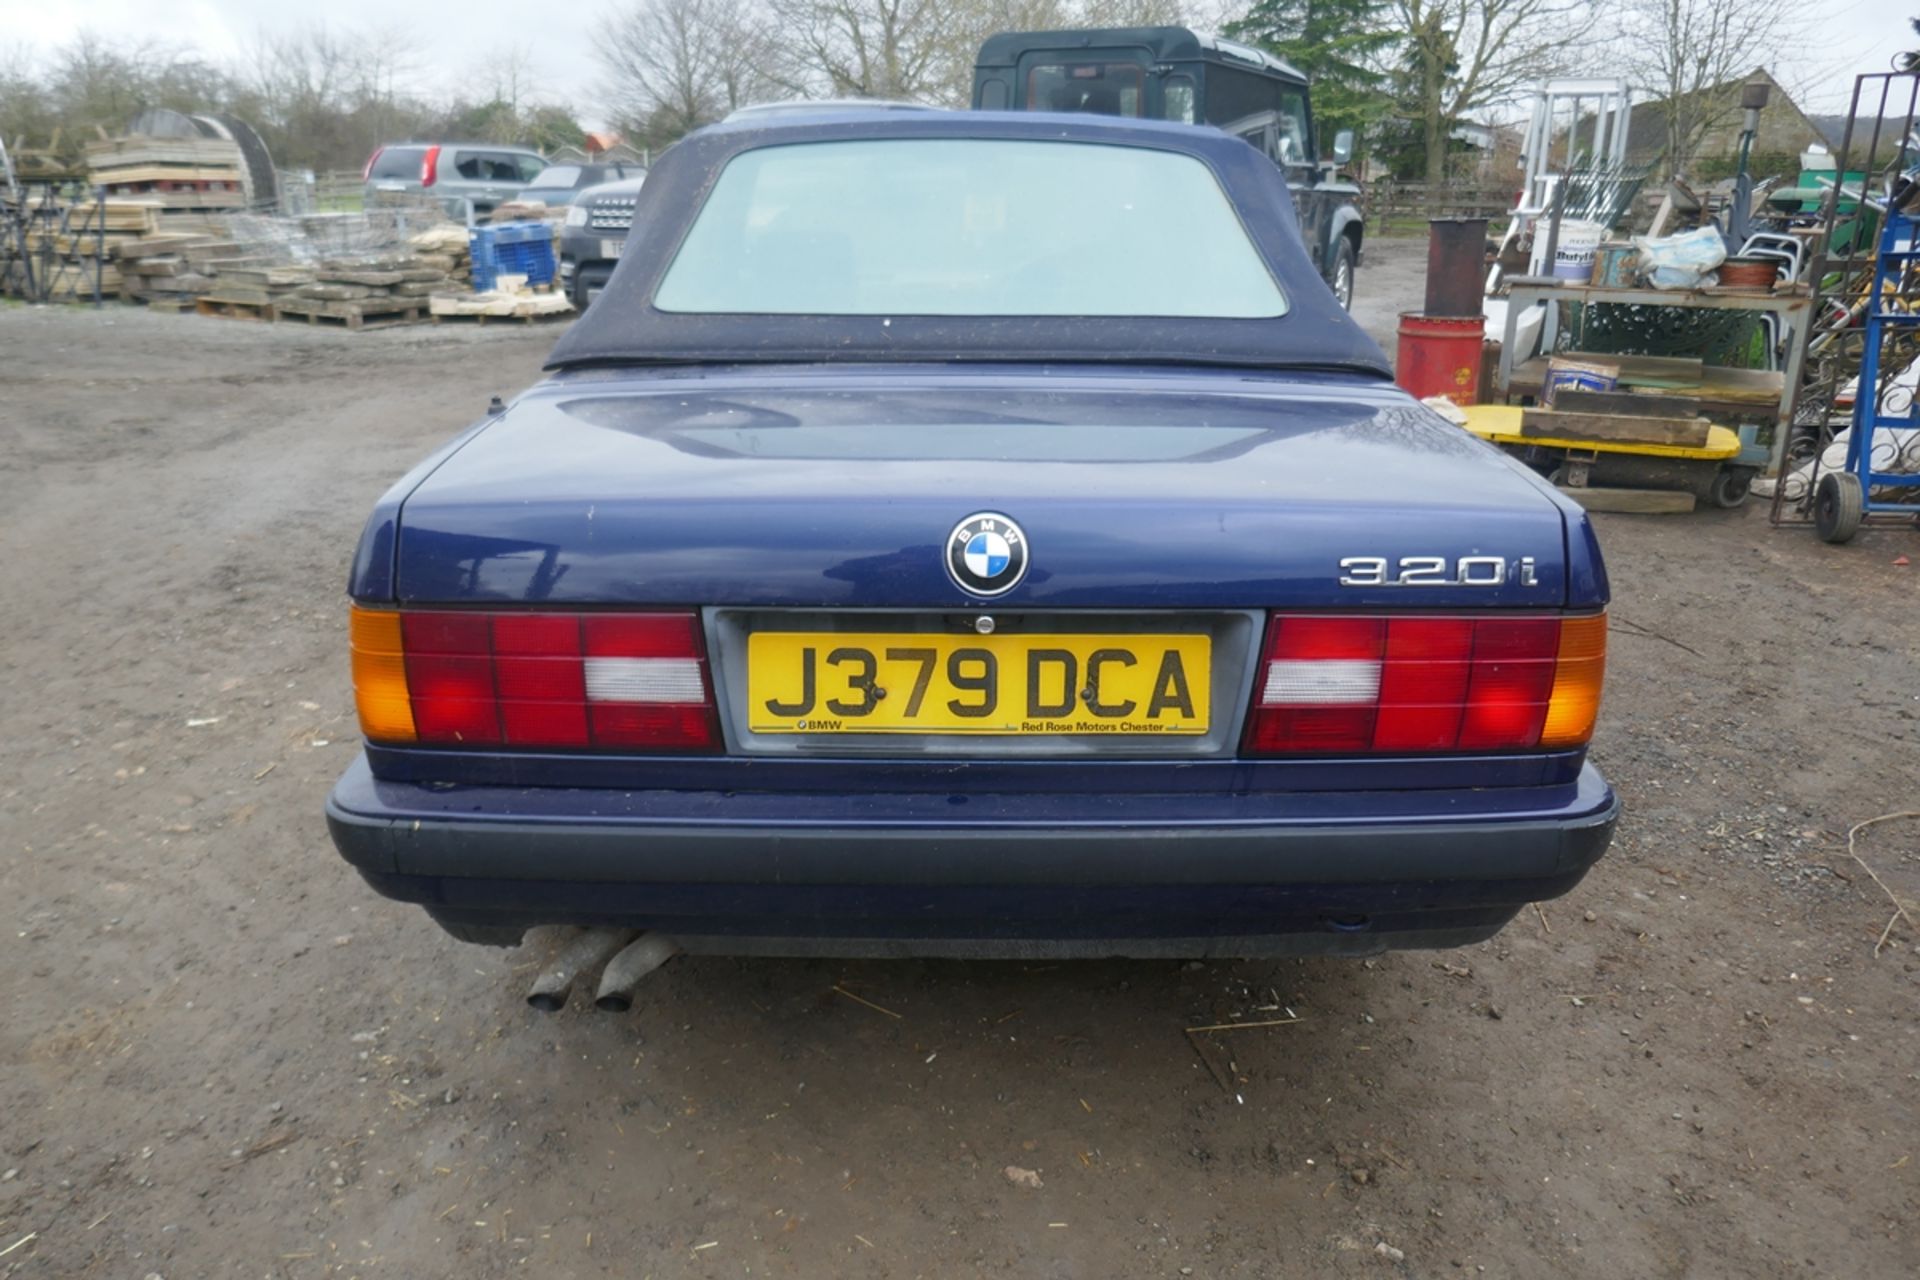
1340, 279
1731, 485
484, 935
1839, 506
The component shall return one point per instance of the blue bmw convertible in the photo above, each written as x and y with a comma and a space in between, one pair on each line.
973, 534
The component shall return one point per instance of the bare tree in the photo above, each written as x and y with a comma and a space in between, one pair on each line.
972, 21
1140, 13
94, 81
1695, 54
26, 116
1461, 55
924, 49
322, 96
508, 71
674, 65
303, 82
872, 48
325, 96
387, 67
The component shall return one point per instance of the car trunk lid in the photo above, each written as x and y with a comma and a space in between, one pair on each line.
838, 490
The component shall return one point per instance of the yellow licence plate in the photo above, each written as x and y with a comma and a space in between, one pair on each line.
837, 682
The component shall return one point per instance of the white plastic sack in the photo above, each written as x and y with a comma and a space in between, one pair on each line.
1896, 451
1896, 398
1686, 261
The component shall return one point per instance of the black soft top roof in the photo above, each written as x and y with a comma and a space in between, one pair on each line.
623, 327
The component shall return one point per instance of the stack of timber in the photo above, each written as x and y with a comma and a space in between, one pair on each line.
73, 250
177, 173
1644, 428
115, 217
364, 292
79, 277
1618, 417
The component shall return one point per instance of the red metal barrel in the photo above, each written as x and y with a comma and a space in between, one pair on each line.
1440, 356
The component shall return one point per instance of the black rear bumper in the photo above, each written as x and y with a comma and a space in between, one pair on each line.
980, 888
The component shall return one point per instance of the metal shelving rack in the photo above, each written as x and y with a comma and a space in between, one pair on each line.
1730, 391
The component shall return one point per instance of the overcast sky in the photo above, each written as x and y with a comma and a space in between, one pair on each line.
455, 36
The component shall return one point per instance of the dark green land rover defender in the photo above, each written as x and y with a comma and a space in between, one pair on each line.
1170, 73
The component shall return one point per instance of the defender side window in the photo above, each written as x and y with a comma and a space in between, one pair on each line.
1293, 147
1259, 137
1177, 98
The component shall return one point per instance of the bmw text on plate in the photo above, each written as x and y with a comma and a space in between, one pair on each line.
973, 534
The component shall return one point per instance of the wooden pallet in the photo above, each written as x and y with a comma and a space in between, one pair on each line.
482, 307
233, 310
107, 153
487, 319
140, 217
188, 200
369, 313
168, 172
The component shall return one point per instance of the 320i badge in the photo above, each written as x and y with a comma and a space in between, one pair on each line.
973, 534
1435, 571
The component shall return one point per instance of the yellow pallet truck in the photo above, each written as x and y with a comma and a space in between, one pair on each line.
1715, 472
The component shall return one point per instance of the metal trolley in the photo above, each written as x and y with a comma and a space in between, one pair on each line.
1844, 499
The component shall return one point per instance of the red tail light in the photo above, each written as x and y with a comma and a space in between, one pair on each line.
1366, 685
429, 166
366, 174
621, 681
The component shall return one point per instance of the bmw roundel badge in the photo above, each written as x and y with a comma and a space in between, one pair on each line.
987, 554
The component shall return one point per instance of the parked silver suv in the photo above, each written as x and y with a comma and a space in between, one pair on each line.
464, 176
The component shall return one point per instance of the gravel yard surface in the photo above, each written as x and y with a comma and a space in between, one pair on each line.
222, 1055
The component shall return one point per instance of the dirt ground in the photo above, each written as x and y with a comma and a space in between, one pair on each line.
222, 1055
1391, 280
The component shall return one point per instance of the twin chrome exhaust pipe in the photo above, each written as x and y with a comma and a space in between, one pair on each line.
628, 957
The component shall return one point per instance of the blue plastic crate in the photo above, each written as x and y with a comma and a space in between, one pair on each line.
512, 248
515, 232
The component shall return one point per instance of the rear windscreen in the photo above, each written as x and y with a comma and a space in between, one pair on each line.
969, 227
397, 162
1101, 88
